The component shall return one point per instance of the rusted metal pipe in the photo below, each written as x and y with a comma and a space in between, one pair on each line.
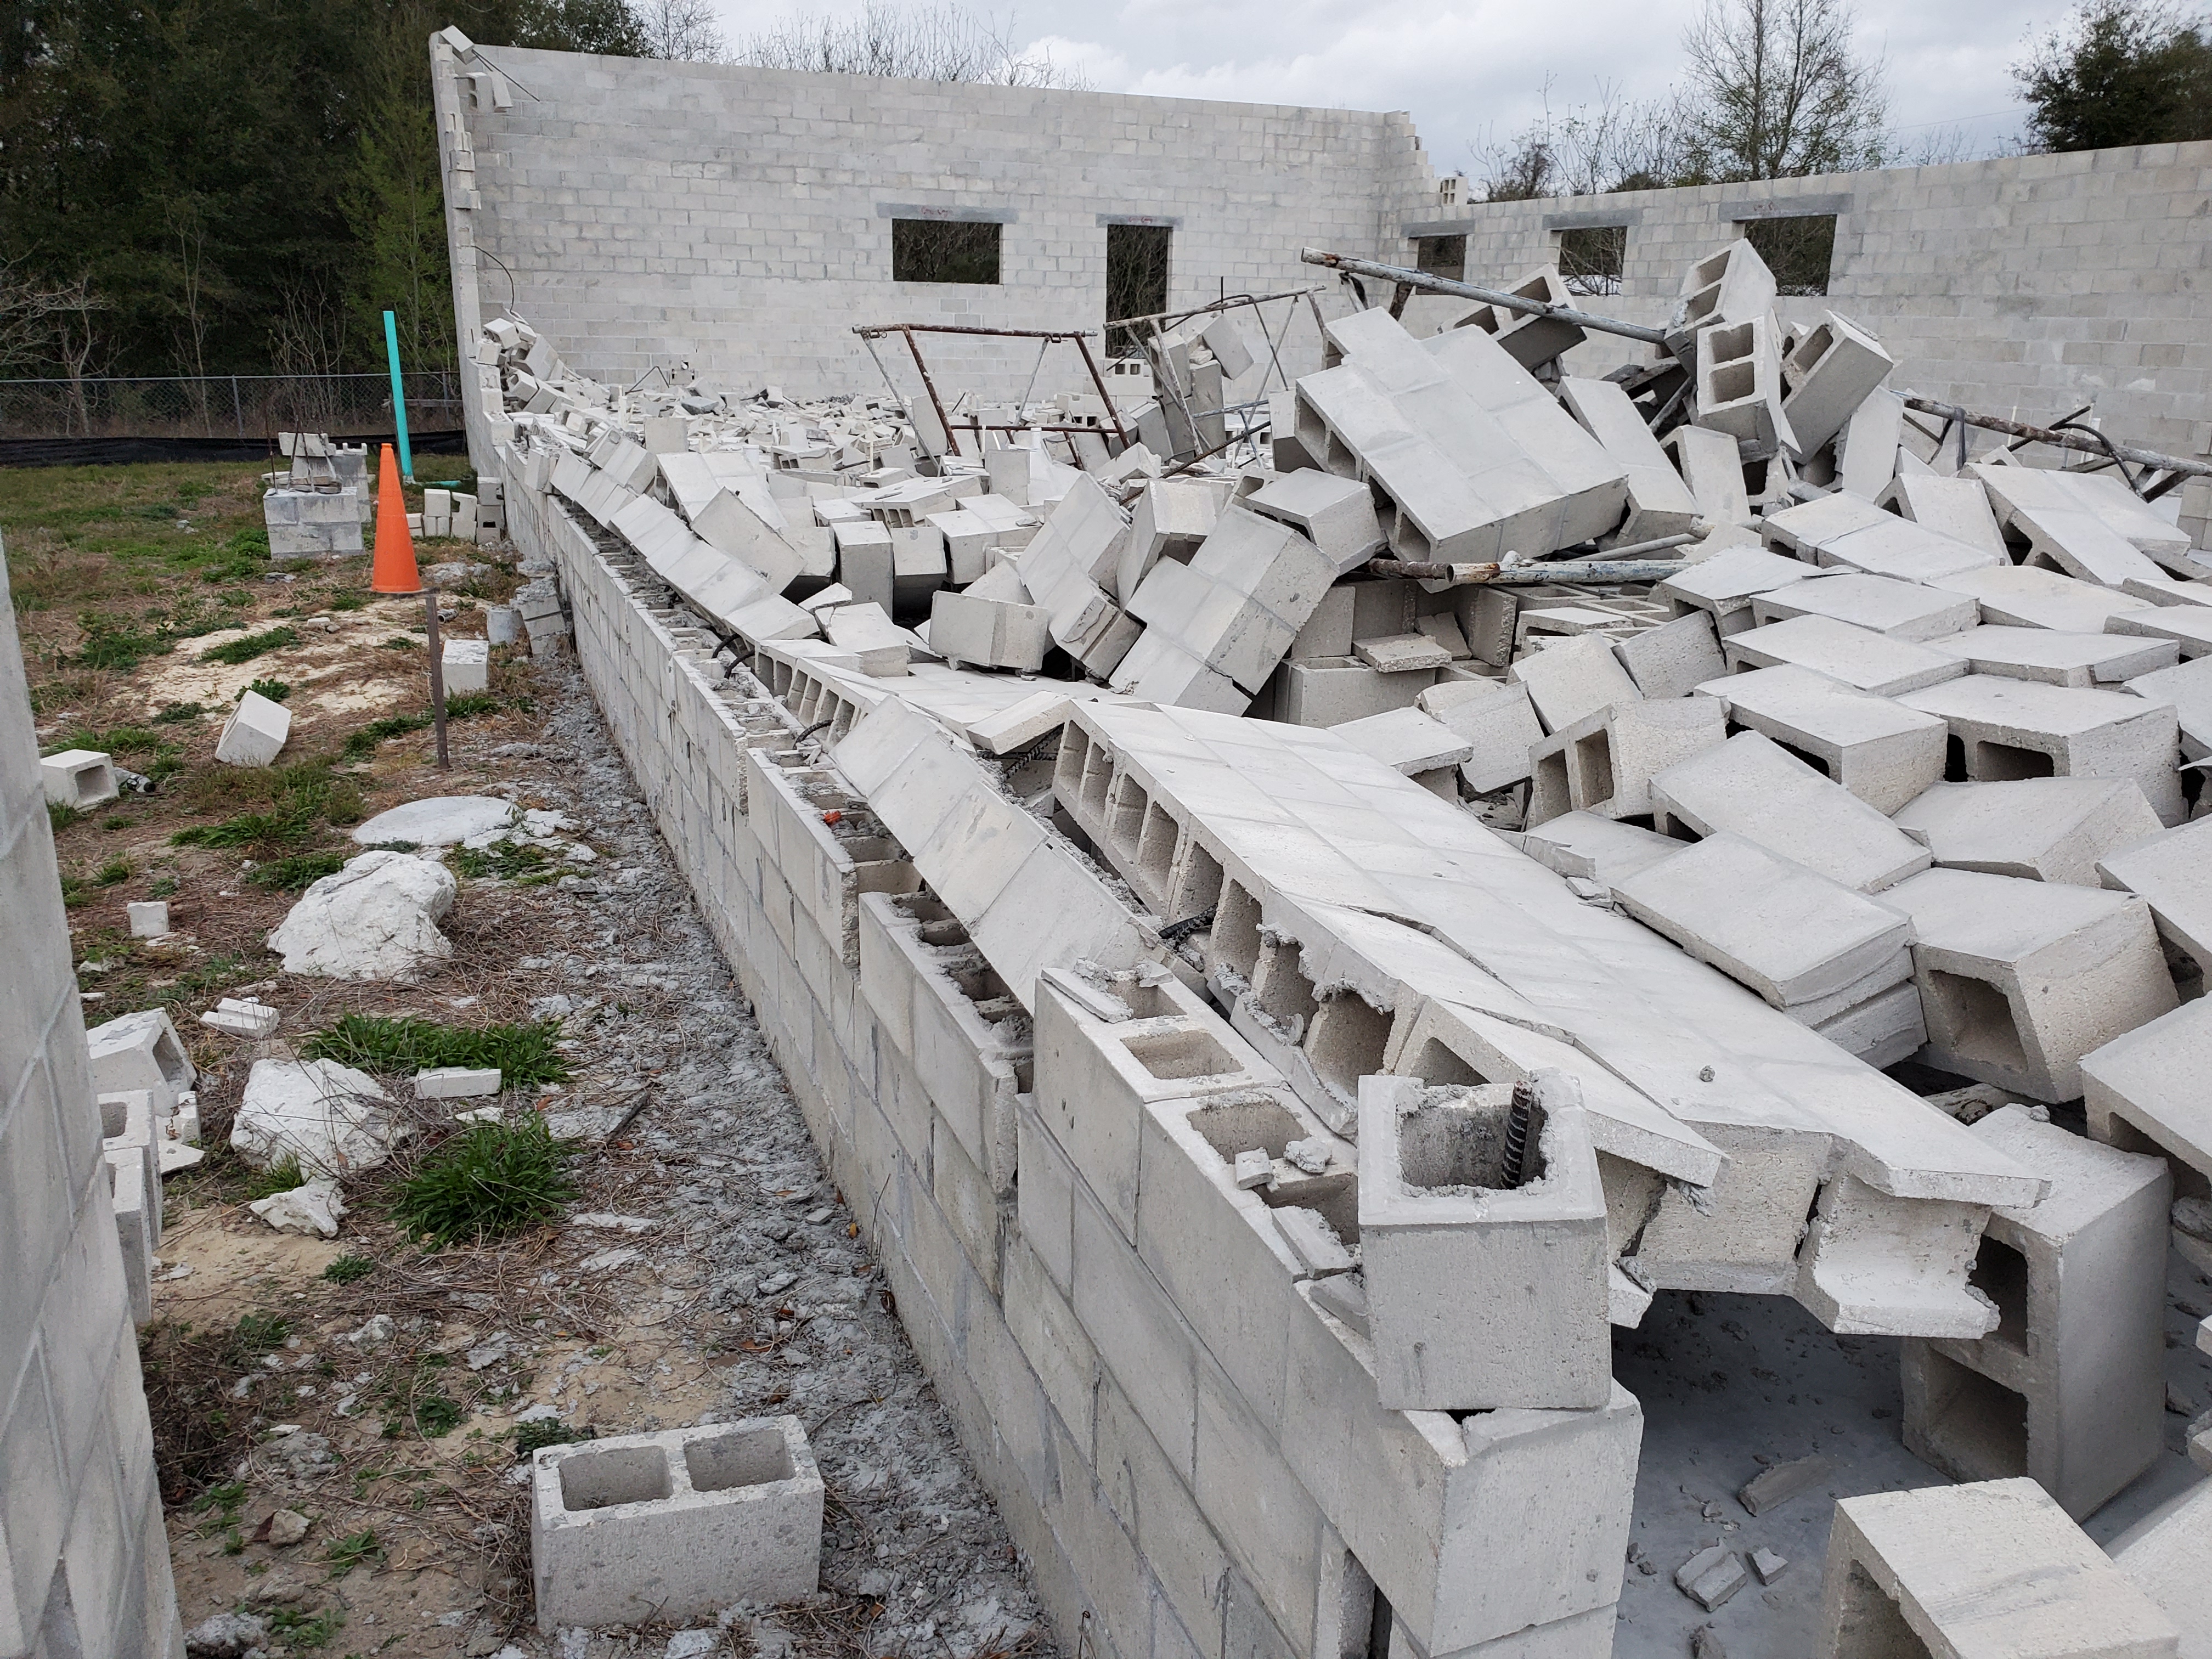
1424, 280
2074, 440
1585, 572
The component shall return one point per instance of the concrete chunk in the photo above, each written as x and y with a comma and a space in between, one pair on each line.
1873, 662
2034, 828
1572, 680
2010, 728
1605, 762
1883, 752
1498, 722
2057, 659
1676, 657
2171, 871
1881, 605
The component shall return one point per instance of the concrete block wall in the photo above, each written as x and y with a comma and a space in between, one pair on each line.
1177, 1497
638, 211
84, 1562
2025, 286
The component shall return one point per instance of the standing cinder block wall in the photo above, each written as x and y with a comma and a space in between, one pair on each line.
84, 1561
637, 211
2023, 287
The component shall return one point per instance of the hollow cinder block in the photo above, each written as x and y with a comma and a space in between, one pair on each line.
675, 1525
78, 778
254, 734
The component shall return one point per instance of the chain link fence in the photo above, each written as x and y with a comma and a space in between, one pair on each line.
243, 407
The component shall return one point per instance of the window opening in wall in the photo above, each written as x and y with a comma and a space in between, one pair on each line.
1591, 257
1798, 249
1136, 280
1441, 256
943, 251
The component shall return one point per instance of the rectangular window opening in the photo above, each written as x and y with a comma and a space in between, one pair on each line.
1136, 280
945, 251
1441, 256
1591, 257
1798, 249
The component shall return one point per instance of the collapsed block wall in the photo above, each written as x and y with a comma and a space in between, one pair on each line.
641, 211
2028, 285
84, 1561
1168, 1513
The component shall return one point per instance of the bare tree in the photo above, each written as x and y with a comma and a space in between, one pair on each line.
943, 42
46, 325
682, 31
1775, 91
1612, 144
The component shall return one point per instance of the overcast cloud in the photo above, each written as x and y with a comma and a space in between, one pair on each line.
1478, 70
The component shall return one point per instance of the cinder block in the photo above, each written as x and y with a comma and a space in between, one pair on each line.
141, 1051
1724, 585
1331, 691
2069, 1389
1605, 762
2010, 728
1881, 605
255, 732
464, 667
2056, 658
2036, 828
457, 1082
674, 1526
1739, 390
1881, 751
2168, 870
1676, 657
1485, 1282
81, 778
2021, 980
1498, 723
1991, 1568
1572, 680
1826, 375
1856, 656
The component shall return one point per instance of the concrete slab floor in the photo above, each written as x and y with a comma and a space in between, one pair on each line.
1724, 1379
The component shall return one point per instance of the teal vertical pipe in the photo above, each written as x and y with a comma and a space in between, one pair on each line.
398, 395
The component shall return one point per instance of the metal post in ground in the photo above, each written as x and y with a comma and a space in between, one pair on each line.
398, 400
437, 671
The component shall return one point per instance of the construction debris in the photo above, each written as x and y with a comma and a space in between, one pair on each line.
1153, 765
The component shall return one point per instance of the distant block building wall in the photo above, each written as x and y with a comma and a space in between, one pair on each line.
641, 212
2032, 284
84, 1562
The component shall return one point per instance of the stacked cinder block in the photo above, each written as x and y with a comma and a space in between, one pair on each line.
84, 1560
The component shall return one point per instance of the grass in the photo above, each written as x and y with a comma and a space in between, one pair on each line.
60, 815
504, 861
540, 1432
296, 874
346, 1554
252, 645
200, 1432
275, 691
492, 1180
347, 1269
304, 1631
524, 1054
363, 741
177, 714
280, 1176
113, 873
300, 799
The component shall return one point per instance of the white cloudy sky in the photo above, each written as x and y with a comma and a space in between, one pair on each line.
1476, 69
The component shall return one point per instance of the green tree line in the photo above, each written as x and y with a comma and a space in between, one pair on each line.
236, 187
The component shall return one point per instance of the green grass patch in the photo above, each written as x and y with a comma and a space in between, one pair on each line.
363, 741
348, 1269
540, 1432
348, 1553
275, 691
113, 643
399, 643
524, 1054
504, 860
60, 815
115, 821
256, 1334
492, 1180
348, 600
113, 873
252, 645
297, 874
177, 714
306, 1631
280, 1176
301, 799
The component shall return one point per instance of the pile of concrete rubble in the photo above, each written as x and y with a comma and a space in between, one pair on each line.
1903, 745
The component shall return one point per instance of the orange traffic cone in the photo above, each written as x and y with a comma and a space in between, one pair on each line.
392, 570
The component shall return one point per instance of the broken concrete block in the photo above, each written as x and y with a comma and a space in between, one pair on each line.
81, 778
2035, 829
235, 1017
1444, 630
313, 1208
1169, 521
149, 918
1774, 1486
2189, 626
1330, 690
2009, 728
1753, 786
329, 1119
1605, 762
1572, 680
133, 1196
457, 1082
1739, 387
1991, 1568
2069, 1389
1397, 653
1482, 1232
2171, 871
2016, 491
1724, 585
255, 732
1873, 662
1676, 657
1498, 723
1659, 503
1336, 514
2142, 1091
2187, 687
1957, 508
377, 918
1903, 611
1867, 448
464, 667
1768, 1565
1587, 848
1882, 753
2019, 980
1711, 1576
879, 648
1156, 669
2057, 659
1729, 286
141, 1051
1831, 370
440, 821
1807, 945
1713, 466
675, 1525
